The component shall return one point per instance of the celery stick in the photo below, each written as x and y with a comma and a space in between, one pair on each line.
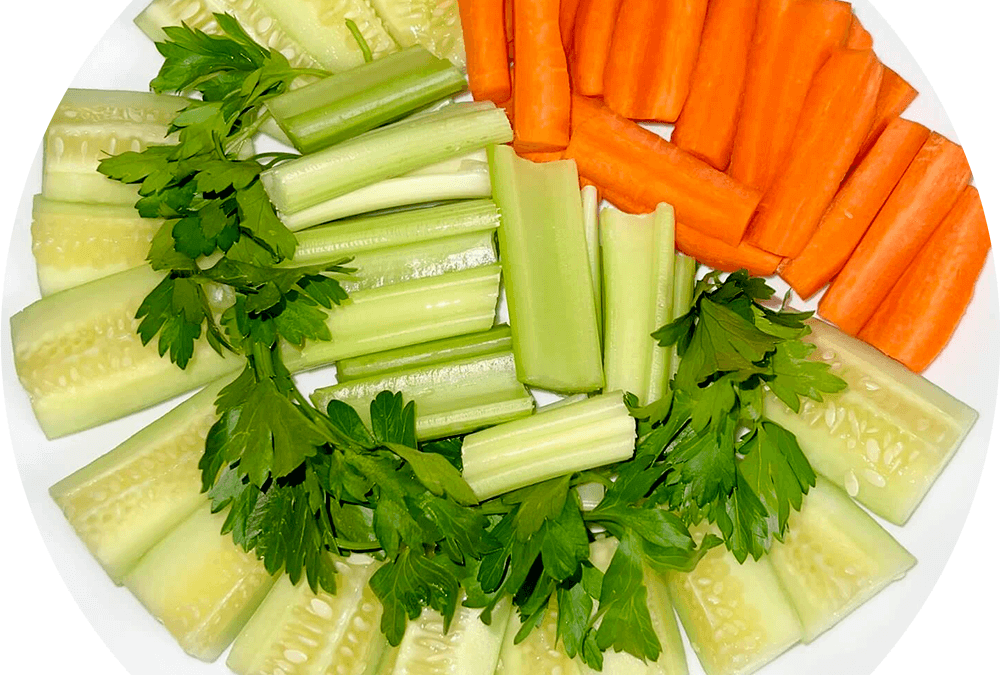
347, 104
384, 153
591, 219
638, 258
451, 398
567, 439
440, 351
547, 273
685, 269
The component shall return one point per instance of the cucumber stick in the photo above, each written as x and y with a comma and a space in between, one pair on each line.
388, 152
435, 24
887, 437
470, 647
547, 273
79, 358
298, 632
320, 26
834, 558
451, 398
200, 585
554, 442
350, 103
74, 243
493, 341
124, 502
638, 265
736, 616
90, 124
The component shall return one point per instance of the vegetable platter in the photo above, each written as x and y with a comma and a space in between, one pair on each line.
968, 370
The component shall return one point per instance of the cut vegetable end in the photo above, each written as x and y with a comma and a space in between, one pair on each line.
552, 310
489, 342
432, 23
200, 585
451, 398
571, 438
887, 438
834, 558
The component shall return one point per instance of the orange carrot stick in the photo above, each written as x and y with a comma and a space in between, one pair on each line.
508, 18
568, 11
894, 98
927, 191
595, 24
623, 157
707, 124
653, 54
835, 119
858, 36
793, 38
854, 208
919, 316
486, 49
542, 100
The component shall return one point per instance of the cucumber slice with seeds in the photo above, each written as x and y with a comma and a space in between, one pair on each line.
435, 24
200, 585
298, 632
736, 616
539, 653
886, 438
835, 557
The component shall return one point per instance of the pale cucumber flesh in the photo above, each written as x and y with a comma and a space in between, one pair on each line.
435, 24
298, 632
539, 653
834, 558
126, 501
200, 585
736, 616
885, 439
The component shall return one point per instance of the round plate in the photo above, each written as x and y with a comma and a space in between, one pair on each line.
967, 369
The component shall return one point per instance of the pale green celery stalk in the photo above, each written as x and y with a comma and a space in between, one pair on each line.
495, 340
350, 103
591, 225
451, 398
547, 273
638, 260
567, 439
404, 314
685, 271
384, 153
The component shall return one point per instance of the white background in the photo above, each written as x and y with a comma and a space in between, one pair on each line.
45, 45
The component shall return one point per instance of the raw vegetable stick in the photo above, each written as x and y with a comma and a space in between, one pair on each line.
722, 256
920, 315
835, 119
621, 156
854, 208
928, 190
486, 49
858, 36
595, 25
568, 11
793, 38
542, 99
894, 97
508, 18
653, 54
707, 125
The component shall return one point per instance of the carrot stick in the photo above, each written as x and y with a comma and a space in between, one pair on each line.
595, 24
894, 98
486, 49
653, 54
585, 108
568, 11
707, 124
793, 38
542, 100
927, 191
919, 316
508, 17
854, 208
858, 36
835, 119
623, 157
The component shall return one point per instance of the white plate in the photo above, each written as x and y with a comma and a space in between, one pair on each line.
968, 369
